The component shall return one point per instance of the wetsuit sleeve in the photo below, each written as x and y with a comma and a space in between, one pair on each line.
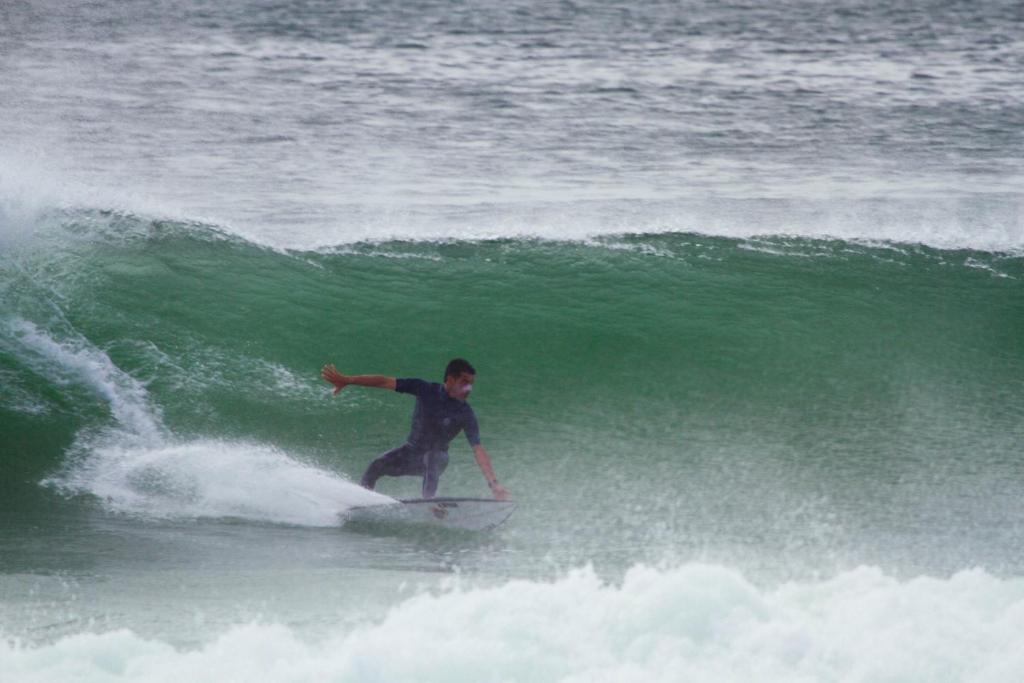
472, 429
411, 385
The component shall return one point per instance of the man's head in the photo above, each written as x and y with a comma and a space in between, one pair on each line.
458, 378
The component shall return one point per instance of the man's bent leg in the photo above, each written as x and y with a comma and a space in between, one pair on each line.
434, 463
394, 463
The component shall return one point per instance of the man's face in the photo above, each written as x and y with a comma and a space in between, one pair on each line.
459, 386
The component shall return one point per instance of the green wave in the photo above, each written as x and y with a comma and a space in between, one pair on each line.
626, 359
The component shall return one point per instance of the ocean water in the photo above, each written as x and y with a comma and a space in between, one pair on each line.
743, 284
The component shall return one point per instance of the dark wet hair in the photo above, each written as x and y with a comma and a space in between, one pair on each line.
457, 366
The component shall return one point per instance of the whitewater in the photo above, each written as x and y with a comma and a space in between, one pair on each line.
696, 622
743, 286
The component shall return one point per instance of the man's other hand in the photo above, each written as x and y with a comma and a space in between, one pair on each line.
331, 374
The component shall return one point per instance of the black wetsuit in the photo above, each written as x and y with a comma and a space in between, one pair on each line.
436, 420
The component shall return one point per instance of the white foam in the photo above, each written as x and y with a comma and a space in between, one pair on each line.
993, 224
315, 221
691, 623
74, 359
27, 191
36, 188
213, 479
136, 467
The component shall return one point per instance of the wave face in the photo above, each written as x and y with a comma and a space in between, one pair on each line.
695, 623
647, 392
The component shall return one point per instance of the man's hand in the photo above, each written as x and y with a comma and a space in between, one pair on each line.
499, 492
331, 374
340, 381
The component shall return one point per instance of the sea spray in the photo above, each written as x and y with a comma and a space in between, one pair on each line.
213, 479
135, 466
75, 360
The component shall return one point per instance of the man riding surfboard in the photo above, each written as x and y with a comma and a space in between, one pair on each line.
441, 412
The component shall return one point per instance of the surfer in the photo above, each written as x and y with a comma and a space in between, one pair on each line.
441, 412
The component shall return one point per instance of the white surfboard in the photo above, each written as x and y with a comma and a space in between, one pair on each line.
468, 514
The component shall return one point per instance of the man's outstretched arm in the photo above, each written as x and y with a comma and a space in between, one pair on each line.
484, 461
340, 381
